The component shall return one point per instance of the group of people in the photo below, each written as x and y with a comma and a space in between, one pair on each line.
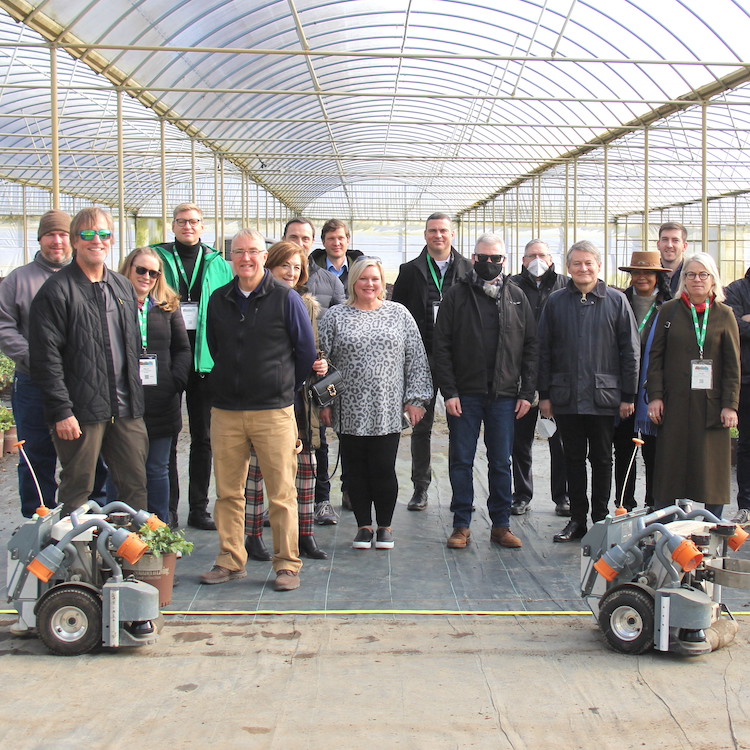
103, 358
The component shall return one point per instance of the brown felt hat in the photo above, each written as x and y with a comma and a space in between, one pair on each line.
644, 260
53, 221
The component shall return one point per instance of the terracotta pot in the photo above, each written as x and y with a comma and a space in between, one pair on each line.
10, 438
158, 571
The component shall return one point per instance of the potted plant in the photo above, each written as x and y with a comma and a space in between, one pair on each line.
7, 370
157, 566
8, 428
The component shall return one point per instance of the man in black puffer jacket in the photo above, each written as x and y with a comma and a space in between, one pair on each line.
84, 344
484, 358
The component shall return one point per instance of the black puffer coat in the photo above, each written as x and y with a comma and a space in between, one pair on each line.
168, 340
69, 347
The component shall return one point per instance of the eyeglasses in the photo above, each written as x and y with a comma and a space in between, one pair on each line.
247, 253
142, 271
482, 258
693, 275
183, 222
90, 234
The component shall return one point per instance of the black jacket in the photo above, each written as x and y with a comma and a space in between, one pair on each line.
69, 347
550, 282
412, 289
589, 351
168, 340
738, 298
458, 359
320, 259
261, 353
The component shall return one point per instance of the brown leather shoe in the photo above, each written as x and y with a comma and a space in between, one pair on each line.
286, 580
503, 536
459, 538
217, 574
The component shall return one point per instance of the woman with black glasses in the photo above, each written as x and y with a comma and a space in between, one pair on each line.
693, 389
164, 366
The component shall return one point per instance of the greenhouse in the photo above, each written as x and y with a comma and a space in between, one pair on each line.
564, 119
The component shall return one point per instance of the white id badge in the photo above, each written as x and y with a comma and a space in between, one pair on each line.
148, 369
701, 374
435, 308
190, 315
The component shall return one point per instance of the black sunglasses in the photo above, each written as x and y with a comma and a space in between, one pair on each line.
482, 258
141, 271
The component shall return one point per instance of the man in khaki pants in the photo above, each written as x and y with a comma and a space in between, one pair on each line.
263, 348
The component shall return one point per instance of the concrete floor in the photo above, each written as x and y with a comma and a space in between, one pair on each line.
455, 680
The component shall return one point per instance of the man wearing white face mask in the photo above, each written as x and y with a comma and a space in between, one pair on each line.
538, 280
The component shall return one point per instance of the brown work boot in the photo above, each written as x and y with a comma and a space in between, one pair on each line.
217, 574
286, 580
503, 536
459, 538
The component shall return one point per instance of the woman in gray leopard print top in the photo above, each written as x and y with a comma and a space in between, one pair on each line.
376, 345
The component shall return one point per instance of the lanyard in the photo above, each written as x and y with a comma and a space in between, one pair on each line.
434, 271
181, 269
143, 320
648, 316
700, 335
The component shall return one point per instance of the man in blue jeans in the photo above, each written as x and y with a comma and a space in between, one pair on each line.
16, 293
485, 358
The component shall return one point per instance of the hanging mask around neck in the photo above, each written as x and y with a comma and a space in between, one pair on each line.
538, 268
487, 270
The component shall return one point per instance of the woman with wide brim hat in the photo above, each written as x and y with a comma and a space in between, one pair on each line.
648, 290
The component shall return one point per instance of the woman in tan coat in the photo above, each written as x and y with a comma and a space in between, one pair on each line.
693, 389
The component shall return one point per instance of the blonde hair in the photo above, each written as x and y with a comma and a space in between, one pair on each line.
717, 289
356, 271
162, 293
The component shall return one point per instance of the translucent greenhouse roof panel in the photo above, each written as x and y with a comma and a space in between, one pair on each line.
432, 94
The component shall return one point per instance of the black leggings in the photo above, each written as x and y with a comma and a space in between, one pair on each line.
370, 465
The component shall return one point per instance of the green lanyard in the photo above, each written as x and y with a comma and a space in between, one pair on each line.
183, 273
700, 334
648, 316
434, 271
143, 320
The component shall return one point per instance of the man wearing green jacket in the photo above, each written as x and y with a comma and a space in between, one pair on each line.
194, 270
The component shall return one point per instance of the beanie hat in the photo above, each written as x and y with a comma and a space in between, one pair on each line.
53, 221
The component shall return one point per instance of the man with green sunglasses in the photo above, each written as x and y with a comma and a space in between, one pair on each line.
84, 348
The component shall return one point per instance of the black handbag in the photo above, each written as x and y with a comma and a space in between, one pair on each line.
325, 389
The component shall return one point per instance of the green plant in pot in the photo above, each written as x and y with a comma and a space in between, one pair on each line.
6, 419
7, 370
163, 540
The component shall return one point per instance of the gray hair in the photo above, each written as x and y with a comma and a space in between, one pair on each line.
490, 238
710, 265
253, 233
531, 244
584, 246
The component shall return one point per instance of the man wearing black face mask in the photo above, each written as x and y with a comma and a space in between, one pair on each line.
485, 360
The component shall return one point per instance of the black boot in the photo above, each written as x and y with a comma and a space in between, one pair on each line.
256, 549
309, 548
572, 531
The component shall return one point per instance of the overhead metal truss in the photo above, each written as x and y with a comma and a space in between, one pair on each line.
532, 114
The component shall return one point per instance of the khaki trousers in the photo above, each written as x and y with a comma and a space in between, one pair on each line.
273, 435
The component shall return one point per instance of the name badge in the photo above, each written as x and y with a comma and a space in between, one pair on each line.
435, 308
190, 315
701, 374
148, 369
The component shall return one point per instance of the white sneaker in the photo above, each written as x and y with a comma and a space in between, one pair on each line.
742, 516
325, 515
